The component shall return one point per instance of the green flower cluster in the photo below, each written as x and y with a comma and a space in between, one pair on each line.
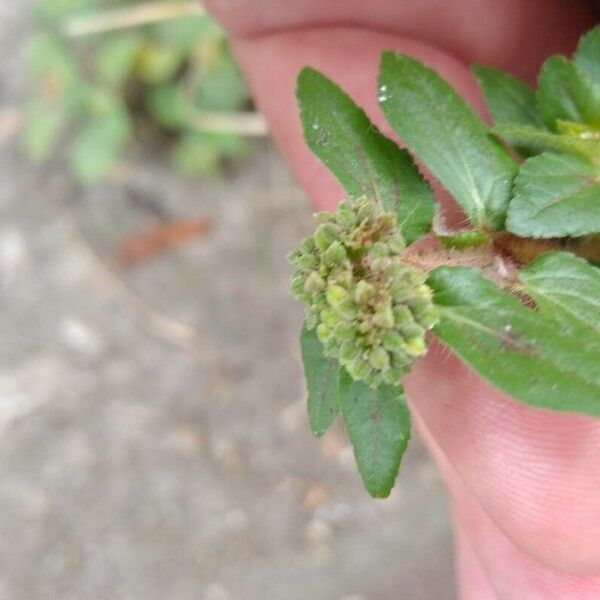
370, 309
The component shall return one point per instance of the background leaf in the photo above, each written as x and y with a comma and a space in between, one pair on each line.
157, 63
364, 161
556, 195
167, 104
521, 351
116, 57
195, 154
221, 87
509, 99
566, 93
97, 147
587, 56
439, 127
378, 423
322, 377
43, 125
185, 32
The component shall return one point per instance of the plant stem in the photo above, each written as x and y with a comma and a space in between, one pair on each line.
428, 254
128, 17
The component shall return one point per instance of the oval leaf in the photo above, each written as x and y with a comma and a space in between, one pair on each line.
587, 57
322, 376
365, 162
566, 93
521, 351
567, 289
555, 195
378, 423
444, 132
509, 99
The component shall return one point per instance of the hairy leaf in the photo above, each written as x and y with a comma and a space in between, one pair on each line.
567, 289
439, 127
555, 195
365, 162
525, 353
535, 141
322, 376
378, 423
509, 99
566, 93
587, 57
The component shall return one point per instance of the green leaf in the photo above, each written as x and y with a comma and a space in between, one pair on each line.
378, 423
53, 9
158, 64
556, 195
97, 147
444, 132
463, 239
196, 155
322, 376
116, 57
167, 104
587, 56
365, 162
51, 62
509, 99
43, 125
521, 351
229, 145
566, 93
185, 32
221, 87
586, 146
458, 238
567, 289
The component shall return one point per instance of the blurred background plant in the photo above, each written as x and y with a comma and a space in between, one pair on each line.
106, 71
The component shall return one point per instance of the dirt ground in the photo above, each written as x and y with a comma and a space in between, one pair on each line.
153, 437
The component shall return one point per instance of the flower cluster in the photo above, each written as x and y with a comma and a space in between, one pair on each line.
370, 309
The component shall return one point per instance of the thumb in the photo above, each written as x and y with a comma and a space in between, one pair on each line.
530, 477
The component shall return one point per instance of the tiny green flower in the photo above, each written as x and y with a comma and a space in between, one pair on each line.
371, 310
335, 295
379, 359
325, 235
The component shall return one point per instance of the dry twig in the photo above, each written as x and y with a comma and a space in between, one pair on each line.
130, 16
160, 326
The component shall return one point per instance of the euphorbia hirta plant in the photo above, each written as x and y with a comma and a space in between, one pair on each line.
515, 293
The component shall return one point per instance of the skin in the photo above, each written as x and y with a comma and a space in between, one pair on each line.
524, 484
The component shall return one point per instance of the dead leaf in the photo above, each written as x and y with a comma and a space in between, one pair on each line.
167, 236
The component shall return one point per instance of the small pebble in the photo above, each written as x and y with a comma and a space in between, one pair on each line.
315, 497
81, 337
236, 520
214, 591
318, 531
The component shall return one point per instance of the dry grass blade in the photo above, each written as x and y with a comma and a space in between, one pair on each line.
133, 16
